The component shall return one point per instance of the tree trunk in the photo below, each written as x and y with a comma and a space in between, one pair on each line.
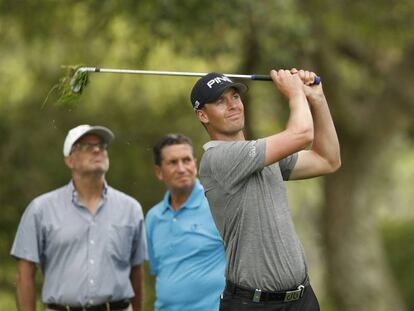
357, 276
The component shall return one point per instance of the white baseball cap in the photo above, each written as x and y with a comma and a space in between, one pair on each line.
81, 130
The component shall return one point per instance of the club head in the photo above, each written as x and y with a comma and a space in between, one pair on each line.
79, 81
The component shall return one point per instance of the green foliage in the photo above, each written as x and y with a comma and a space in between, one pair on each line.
398, 240
361, 55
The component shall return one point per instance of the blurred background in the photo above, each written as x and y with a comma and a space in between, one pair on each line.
356, 225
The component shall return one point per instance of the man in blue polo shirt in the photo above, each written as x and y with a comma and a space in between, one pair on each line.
185, 250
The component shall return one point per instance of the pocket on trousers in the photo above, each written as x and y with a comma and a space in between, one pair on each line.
309, 300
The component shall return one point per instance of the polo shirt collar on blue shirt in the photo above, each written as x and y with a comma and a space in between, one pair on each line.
193, 201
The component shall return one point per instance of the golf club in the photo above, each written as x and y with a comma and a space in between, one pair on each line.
79, 78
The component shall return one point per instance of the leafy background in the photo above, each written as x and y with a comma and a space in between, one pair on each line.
356, 225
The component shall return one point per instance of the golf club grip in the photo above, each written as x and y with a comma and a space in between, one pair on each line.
269, 78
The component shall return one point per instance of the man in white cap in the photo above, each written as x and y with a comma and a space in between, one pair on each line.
87, 237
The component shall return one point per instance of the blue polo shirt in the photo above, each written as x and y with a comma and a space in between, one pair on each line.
186, 254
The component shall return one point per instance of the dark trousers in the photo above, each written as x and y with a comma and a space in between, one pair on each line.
231, 302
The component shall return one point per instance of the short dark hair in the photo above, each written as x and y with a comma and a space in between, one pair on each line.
169, 140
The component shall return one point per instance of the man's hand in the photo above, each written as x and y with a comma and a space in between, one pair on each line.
290, 85
314, 92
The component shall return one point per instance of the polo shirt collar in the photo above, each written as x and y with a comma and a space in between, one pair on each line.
212, 144
193, 201
75, 195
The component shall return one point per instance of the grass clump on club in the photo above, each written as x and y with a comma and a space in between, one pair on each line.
70, 86
79, 80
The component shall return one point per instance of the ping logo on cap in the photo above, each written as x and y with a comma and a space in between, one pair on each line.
218, 80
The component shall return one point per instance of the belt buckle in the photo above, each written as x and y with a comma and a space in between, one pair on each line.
294, 294
257, 294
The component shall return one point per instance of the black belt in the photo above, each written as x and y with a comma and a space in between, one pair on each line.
115, 305
257, 295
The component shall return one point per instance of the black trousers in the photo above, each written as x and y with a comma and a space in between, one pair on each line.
231, 302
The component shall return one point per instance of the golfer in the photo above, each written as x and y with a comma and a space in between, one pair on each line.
244, 184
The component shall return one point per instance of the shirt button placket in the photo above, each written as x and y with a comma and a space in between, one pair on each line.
174, 228
91, 260
174, 224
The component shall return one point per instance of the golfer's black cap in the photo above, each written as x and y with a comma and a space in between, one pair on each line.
210, 87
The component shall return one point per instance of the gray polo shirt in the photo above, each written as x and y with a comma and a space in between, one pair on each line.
85, 258
249, 205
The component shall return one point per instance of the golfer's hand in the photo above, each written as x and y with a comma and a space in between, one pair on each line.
290, 85
314, 92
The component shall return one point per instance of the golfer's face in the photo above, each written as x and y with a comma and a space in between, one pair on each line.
178, 168
226, 114
89, 155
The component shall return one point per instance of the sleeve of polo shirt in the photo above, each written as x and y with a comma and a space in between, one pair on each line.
232, 162
287, 164
151, 257
28, 243
139, 247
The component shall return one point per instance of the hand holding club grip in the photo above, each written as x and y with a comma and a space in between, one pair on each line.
269, 78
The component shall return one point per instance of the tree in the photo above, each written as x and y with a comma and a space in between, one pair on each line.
364, 59
361, 50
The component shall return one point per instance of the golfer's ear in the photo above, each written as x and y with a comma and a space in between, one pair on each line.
202, 116
158, 172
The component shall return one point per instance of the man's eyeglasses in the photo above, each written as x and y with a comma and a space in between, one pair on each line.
89, 147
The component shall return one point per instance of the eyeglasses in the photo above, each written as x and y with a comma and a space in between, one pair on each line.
89, 147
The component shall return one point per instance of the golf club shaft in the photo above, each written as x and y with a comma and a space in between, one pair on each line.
179, 73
